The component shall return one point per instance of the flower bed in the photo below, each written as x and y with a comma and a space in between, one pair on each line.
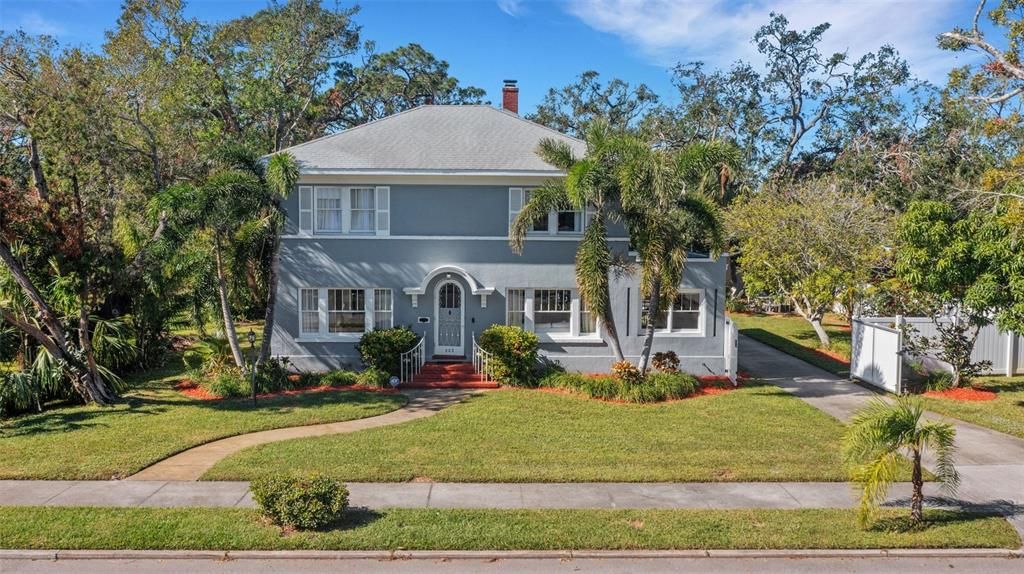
193, 390
963, 394
655, 388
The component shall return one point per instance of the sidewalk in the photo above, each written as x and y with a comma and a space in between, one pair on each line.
991, 464
698, 495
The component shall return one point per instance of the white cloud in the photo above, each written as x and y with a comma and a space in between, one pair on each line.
511, 7
719, 31
36, 23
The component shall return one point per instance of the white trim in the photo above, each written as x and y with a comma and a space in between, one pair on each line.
382, 215
307, 191
461, 349
475, 287
641, 331
561, 338
332, 338
562, 237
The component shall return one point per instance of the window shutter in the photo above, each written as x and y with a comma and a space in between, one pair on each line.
306, 209
515, 204
383, 210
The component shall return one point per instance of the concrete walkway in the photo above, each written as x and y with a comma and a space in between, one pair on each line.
193, 463
720, 495
991, 463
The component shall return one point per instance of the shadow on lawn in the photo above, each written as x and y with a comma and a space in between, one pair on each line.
961, 511
84, 417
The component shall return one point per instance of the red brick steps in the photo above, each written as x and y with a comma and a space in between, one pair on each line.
449, 375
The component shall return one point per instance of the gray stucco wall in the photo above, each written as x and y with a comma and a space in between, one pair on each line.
480, 213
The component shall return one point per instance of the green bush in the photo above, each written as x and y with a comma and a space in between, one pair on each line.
383, 348
227, 383
656, 387
275, 375
514, 354
339, 379
308, 502
373, 377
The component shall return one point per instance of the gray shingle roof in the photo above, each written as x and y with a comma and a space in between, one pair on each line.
434, 138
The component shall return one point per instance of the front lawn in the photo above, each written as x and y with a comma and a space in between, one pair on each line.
154, 422
425, 529
1004, 414
752, 434
793, 335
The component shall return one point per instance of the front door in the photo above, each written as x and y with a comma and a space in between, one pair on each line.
449, 320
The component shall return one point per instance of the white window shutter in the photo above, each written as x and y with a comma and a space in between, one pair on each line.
383, 210
515, 204
306, 209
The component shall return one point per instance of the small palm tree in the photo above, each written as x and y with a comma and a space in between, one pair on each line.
879, 436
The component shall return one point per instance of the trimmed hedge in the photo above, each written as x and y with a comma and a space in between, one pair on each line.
383, 348
308, 502
515, 354
656, 387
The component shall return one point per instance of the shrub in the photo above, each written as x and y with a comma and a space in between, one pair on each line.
307, 502
655, 388
275, 375
736, 305
666, 362
227, 383
339, 379
372, 377
383, 348
670, 386
515, 354
627, 372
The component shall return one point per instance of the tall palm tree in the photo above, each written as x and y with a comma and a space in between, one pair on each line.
591, 186
879, 436
669, 208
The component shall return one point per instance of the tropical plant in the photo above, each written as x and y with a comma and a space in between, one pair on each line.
514, 351
878, 437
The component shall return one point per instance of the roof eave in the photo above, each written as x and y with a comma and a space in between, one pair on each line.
435, 172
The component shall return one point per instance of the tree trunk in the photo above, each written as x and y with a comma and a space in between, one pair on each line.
225, 306
823, 338
653, 305
612, 337
98, 389
268, 318
917, 498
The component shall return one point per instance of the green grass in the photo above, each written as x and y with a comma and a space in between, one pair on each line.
757, 433
793, 335
1004, 414
154, 422
240, 529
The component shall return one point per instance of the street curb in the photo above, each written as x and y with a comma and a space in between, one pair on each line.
494, 554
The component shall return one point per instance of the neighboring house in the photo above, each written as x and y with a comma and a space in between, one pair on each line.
404, 221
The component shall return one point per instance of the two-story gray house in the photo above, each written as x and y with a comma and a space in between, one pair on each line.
404, 221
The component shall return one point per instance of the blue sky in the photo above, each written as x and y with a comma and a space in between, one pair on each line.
546, 43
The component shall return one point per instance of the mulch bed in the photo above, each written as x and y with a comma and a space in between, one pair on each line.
193, 390
963, 394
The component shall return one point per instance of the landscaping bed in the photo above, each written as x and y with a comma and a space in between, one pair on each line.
757, 432
793, 335
426, 529
1002, 411
154, 422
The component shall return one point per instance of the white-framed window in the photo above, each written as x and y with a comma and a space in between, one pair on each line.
554, 223
332, 209
552, 311
383, 313
515, 307
588, 321
329, 209
309, 311
346, 310
684, 315
362, 210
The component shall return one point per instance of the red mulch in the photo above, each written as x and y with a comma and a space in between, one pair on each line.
963, 394
833, 355
192, 390
709, 386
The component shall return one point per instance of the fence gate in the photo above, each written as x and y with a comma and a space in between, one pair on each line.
875, 356
731, 347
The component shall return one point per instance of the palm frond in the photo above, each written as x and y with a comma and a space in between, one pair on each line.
556, 153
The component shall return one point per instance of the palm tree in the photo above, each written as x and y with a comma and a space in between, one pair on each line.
590, 186
668, 208
879, 436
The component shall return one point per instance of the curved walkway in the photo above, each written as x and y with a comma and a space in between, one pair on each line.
194, 462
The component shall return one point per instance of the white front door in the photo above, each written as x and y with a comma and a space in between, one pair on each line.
449, 321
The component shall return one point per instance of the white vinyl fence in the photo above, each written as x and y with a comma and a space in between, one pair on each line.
731, 346
877, 356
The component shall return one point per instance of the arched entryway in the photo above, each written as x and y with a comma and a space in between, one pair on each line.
449, 319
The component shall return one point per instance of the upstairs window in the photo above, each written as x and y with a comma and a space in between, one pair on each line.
333, 210
568, 222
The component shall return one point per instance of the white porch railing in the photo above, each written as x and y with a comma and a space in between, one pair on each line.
482, 360
411, 361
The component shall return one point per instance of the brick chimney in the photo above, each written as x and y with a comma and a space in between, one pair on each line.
510, 97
